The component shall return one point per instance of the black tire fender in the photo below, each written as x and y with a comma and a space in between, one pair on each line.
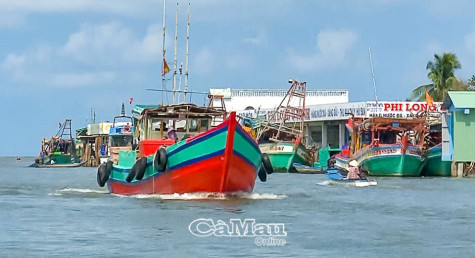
266, 163
100, 175
262, 174
140, 167
160, 160
132, 173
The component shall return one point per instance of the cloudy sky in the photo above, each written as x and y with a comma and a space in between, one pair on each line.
60, 59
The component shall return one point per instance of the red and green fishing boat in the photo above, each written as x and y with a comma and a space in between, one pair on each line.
282, 136
386, 146
181, 153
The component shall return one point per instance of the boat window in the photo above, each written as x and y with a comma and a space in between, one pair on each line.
366, 138
121, 140
388, 137
204, 125
193, 125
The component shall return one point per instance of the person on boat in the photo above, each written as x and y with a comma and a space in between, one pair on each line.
171, 133
353, 171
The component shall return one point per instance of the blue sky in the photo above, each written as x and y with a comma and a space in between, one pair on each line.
59, 59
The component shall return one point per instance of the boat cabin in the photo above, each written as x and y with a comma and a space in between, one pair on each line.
165, 125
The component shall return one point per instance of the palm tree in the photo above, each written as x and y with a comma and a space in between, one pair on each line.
441, 73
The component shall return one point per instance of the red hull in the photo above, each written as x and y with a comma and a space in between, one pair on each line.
206, 176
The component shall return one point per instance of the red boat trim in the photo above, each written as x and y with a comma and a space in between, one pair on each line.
228, 152
196, 141
195, 160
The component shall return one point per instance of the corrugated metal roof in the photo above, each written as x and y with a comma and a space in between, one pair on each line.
460, 99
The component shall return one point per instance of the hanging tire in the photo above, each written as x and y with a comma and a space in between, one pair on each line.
131, 174
266, 163
100, 175
262, 174
160, 160
140, 167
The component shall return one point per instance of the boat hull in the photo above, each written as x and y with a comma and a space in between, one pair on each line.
434, 165
69, 165
282, 155
223, 160
387, 160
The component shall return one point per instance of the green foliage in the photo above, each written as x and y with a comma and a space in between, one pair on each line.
441, 73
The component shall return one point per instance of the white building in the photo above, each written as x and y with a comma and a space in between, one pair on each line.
238, 99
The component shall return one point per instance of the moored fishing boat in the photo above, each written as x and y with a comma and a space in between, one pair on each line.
59, 151
386, 146
282, 136
434, 165
223, 159
336, 177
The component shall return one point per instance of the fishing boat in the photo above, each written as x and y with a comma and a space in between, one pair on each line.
59, 151
282, 136
121, 136
434, 165
386, 146
179, 152
336, 177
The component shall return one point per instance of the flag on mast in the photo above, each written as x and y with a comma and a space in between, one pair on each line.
165, 68
429, 99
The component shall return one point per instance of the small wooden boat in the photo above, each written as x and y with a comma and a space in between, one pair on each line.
303, 169
64, 165
336, 177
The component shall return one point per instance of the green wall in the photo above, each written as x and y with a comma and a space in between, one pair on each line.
464, 136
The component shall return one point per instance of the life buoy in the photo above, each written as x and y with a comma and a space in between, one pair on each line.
139, 168
262, 174
266, 163
160, 160
126, 128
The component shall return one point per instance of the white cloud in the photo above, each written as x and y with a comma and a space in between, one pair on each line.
48, 6
332, 49
113, 43
88, 52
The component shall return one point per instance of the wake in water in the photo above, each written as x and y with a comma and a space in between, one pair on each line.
209, 196
176, 196
68, 190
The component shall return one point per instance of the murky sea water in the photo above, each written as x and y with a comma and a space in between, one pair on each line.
62, 212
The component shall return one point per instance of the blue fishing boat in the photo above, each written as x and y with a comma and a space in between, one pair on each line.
336, 177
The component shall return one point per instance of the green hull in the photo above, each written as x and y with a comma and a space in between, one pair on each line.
394, 165
435, 166
282, 155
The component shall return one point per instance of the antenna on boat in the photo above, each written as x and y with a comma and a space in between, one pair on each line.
174, 63
122, 112
186, 56
163, 74
372, 74
179, 81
